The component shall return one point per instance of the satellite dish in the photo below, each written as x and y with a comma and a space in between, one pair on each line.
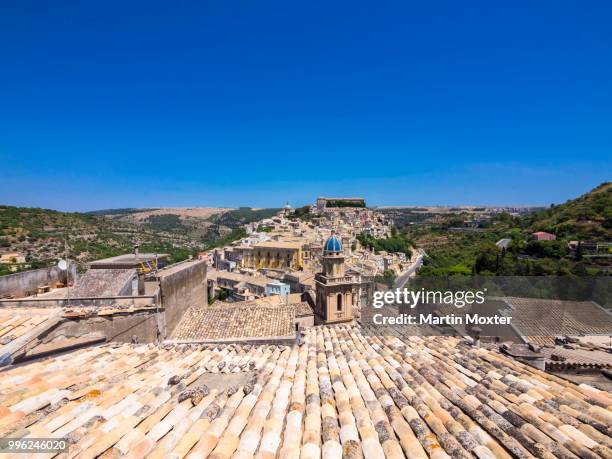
62, 264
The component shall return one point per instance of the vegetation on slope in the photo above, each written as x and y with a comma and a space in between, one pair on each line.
44, 236
456, 247
396, 242
227, 238
116, 212
301, 213
166, 222
587, 217
343, 203
244, 215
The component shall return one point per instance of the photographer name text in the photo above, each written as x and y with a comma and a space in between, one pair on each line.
431, 319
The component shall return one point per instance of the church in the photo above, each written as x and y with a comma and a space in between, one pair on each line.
334, 288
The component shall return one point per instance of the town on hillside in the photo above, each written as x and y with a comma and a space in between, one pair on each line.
261, 344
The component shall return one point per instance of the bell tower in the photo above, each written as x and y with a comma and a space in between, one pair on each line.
334, 289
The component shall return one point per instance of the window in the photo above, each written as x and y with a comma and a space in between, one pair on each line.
339, 302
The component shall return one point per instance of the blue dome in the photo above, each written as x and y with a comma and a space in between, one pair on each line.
332, 244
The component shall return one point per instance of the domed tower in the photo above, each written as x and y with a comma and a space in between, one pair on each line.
287, 209
334, 288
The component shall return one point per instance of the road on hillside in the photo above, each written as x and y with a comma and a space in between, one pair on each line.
401, 280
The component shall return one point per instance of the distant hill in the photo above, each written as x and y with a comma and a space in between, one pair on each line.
191, 223
208, 225
141, 215
461, 243
43, 236
242, 216
116, 212
586, 217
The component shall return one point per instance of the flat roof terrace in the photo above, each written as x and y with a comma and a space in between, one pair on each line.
129, 260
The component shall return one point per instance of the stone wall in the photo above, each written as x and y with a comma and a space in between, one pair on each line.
25, 283
142, 325
182, 286
305, 321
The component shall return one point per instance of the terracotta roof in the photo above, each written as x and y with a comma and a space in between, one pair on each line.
234, 322
238, 277
102, 282
568, 358
339, 395
21, 328
275, 300
540, 340
561, 318
19, 324
303, 309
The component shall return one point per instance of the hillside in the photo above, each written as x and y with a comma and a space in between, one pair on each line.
207, 226
141, 215
43, 236
192, 223
236, 218
586, 217
204, 224
462, 243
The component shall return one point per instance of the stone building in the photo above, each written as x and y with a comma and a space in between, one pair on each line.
334, 203
278, 255
334, 288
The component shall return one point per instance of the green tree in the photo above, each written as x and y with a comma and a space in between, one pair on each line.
388, 278
223, 295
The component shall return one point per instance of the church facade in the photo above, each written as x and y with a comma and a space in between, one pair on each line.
334, 288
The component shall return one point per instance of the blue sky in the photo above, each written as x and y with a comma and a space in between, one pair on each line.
138, 104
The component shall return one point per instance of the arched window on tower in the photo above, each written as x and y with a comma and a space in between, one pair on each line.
339, 302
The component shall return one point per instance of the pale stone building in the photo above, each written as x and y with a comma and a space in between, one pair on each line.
278, 255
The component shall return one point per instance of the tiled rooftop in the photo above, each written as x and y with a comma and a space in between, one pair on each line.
234, 322
339, 395
275, 300
238, 277
21, 328
16, 323
562, 318
303, 309
559, 357
102, 282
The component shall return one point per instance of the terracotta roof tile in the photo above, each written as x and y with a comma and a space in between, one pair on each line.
341, 394
562, 318
19, 323
233, 322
